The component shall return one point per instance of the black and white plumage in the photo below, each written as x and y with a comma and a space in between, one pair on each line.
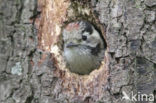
83, 47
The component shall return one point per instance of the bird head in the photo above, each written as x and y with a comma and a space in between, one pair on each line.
81, 33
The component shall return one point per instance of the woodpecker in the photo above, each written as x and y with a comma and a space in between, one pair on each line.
83, 48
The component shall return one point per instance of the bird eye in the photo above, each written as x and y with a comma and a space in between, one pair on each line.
84, 37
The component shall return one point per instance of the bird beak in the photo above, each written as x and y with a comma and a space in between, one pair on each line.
69, 45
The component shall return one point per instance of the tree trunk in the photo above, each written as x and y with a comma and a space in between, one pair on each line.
32, 69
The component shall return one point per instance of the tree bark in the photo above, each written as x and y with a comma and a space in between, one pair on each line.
31, 66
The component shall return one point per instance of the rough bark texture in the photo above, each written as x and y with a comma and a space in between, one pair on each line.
27, 73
